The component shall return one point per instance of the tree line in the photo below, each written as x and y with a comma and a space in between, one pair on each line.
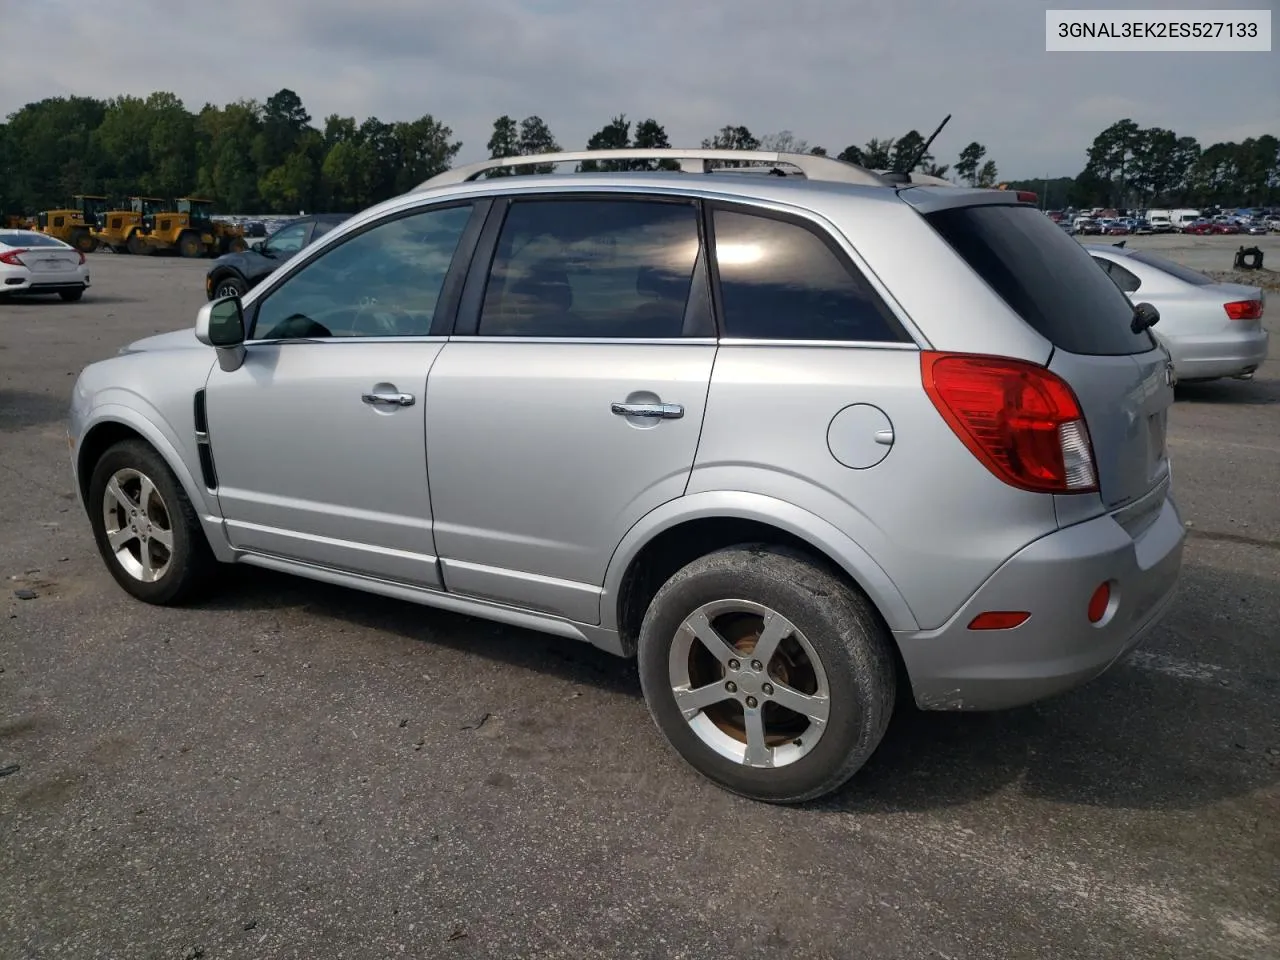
270, 157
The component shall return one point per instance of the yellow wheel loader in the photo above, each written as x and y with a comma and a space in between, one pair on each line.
74, 224
121, 230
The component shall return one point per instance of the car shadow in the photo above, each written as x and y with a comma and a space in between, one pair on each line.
254, 588
1132, 739
1245, 392
23, 408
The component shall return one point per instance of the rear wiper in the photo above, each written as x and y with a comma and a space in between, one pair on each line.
1145, 316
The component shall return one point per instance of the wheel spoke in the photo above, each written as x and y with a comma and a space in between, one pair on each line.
163, 537
691, 700
118, 539
815, 708
120, 497
758, 753
144, 556
776, 629
710, 638
146, 491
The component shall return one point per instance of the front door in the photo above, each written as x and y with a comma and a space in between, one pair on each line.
569, 403
318, 438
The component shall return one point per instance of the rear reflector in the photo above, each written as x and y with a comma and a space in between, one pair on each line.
1244, 309
999, 620
1099, 602
1021, 421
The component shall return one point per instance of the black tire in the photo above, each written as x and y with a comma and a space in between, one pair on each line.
840, 625
229, 285
191, 565
189, 245
83, 241
136, 246
71, 296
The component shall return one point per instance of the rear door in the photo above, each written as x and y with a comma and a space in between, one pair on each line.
1123, 379
569, 402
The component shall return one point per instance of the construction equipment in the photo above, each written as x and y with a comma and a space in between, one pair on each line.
189, 229
122, 230
74, 224
16, 221
184, 229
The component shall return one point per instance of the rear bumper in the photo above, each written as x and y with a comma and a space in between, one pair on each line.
1057, 648
1224, 355
43, 283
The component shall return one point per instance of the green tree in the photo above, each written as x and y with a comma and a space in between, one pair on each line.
651, 135
967, 165
504, 142
614, 135
988, 176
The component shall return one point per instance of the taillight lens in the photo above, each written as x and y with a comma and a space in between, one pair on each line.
1023, 422
12, 258
81, 255
1244, 309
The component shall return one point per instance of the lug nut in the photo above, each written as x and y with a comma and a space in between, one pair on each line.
757, 665
767, 689
751, 702
734, 665
731, 687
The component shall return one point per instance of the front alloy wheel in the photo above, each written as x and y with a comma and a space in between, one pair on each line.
137, 524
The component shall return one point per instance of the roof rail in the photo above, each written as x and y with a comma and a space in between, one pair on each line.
691, 161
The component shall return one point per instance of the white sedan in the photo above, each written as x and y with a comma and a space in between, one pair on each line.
1210, 329
32, 262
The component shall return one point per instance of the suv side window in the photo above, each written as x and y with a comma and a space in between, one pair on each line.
382, 282
592, 268
780, 280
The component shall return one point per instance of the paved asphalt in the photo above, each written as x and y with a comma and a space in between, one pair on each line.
294, 770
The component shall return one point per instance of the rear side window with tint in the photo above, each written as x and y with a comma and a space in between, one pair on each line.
1045, 276
780, 280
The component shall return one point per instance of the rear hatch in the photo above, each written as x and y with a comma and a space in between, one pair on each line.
1120, 378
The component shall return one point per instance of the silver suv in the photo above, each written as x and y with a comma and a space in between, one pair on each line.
798, 443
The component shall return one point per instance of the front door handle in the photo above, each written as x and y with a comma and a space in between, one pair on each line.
388, 399
663, 411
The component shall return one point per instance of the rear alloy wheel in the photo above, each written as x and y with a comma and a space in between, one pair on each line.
145, 527
767, 673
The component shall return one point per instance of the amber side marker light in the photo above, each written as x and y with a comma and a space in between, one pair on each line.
999, 620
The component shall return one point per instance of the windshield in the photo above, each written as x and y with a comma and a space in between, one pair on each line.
1168, 266
1045, 276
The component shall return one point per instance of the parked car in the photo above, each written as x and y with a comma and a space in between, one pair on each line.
36, 263
1255, 228
1161, 225
1211, 329
235, 274
1199, 228
718, 423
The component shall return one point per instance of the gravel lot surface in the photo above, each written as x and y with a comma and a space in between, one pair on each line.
294, 770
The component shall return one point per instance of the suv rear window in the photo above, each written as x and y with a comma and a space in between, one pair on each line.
1045, 276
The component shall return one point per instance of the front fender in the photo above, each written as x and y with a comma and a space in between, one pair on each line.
741, 505
144, 419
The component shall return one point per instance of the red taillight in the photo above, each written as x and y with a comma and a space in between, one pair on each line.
1020, 420
999, 620
81, 255
1244, 309
1099, 602
1026, 196
12, 258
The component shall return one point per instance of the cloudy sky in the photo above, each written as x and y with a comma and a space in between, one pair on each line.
832, 71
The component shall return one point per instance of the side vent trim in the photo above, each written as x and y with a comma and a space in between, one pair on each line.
209, 474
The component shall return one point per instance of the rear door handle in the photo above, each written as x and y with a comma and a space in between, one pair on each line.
663, 411
388, 399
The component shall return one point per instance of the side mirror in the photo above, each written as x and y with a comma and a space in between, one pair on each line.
1145, 316
220, 323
